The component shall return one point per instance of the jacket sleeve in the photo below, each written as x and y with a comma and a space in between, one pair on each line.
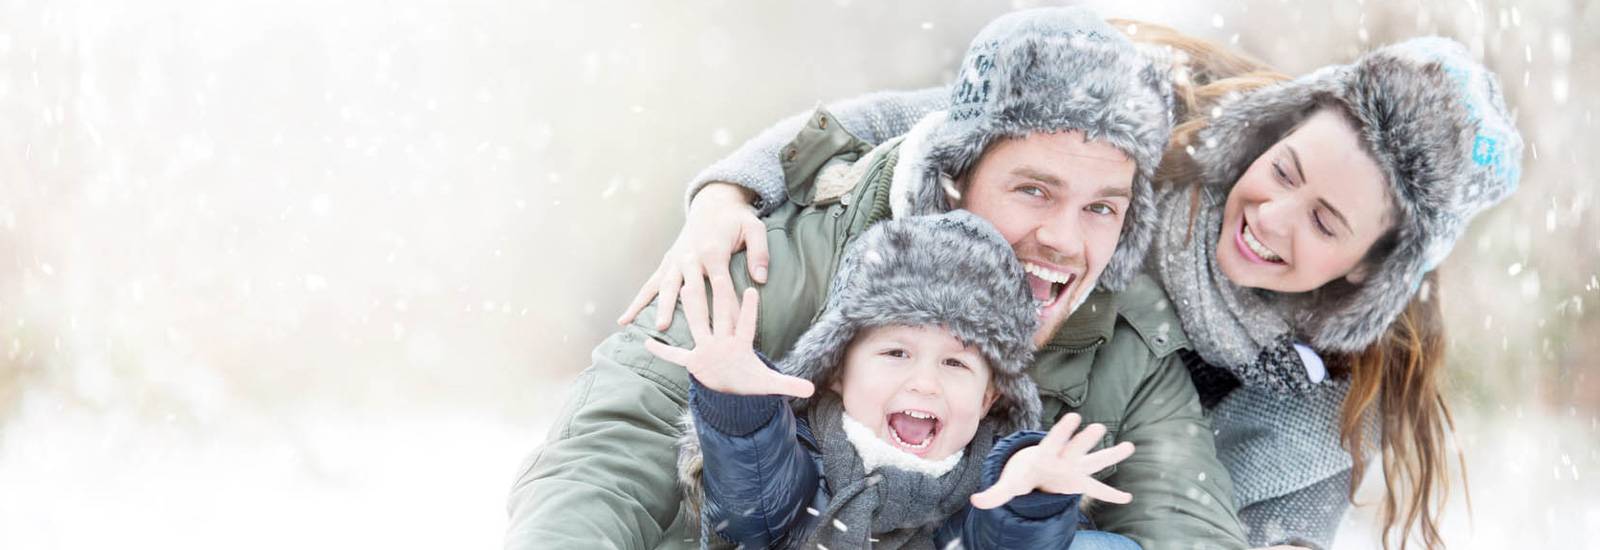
757, 477
606, 476
1180, 490
874, 118
1034, 520
1308, 517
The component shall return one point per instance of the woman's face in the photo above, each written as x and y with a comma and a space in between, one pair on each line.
1306, 211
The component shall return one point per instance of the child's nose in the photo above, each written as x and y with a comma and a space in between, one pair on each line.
924, 380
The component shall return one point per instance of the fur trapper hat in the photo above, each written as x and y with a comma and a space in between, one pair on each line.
953, 271
1433, 119
1054, 70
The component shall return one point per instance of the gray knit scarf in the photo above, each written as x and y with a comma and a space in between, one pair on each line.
890, 508
1246, 331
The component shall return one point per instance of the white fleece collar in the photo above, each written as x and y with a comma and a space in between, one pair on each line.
911, 168
875, 453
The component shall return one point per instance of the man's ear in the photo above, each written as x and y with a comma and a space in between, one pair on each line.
952, 189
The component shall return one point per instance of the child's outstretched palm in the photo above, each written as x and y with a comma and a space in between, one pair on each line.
1058, 464
725, 360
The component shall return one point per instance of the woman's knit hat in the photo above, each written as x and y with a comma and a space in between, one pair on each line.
1054, 70
1435, 122
953, 271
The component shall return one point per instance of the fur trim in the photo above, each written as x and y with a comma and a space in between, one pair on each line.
691, 466
954, 271
909, 169
1434, 121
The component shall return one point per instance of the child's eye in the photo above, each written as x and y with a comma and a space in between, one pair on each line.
895, 353
955, 363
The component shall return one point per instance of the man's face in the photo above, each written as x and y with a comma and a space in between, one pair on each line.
1059, 201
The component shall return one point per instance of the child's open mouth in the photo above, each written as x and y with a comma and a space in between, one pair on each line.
913, 430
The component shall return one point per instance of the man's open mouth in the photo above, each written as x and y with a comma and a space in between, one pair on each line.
1047, 285
913, 430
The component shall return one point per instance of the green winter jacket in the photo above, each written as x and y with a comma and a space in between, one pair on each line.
606, 478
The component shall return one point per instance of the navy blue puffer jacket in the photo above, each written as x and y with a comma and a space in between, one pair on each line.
761, 470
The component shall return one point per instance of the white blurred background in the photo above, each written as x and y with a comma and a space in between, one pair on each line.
316, 274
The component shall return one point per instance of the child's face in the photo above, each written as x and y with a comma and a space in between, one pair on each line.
918, 388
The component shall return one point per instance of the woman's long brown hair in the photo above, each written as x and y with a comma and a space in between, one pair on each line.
1395, 382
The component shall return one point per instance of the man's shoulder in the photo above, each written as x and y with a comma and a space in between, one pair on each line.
1147, 316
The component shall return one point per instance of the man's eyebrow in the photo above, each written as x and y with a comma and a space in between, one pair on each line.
1037, 174
1297, 169
1053, 181
1115, 191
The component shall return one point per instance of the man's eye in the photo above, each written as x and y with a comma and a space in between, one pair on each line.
1031, 190
1102, 209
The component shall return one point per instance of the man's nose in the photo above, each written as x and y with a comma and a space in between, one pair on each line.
1062, 235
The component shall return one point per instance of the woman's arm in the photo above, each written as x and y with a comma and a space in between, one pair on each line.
874, 118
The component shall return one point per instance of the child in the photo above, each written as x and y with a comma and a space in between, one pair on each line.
919, 355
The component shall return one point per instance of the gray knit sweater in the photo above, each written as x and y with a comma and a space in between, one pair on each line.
1291, 476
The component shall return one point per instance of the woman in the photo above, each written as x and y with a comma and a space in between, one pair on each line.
1316, 210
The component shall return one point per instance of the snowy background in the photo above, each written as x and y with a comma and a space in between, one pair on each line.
316, 274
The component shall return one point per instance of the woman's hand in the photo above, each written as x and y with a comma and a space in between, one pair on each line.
724, 359
1058, 464
720, 223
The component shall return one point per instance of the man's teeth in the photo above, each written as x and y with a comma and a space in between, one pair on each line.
1045, 273
1258, 248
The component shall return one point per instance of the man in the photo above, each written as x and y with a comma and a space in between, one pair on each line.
1055, 128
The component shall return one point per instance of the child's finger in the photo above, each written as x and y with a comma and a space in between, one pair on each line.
677, 356
997, 495
783, 384
1094, 489
745, 331
1061, 433
1084, 441
1098, 460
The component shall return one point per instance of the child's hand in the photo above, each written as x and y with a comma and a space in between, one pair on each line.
1058, 465
725, 360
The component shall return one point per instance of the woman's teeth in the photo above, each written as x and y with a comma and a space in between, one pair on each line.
1258, 248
